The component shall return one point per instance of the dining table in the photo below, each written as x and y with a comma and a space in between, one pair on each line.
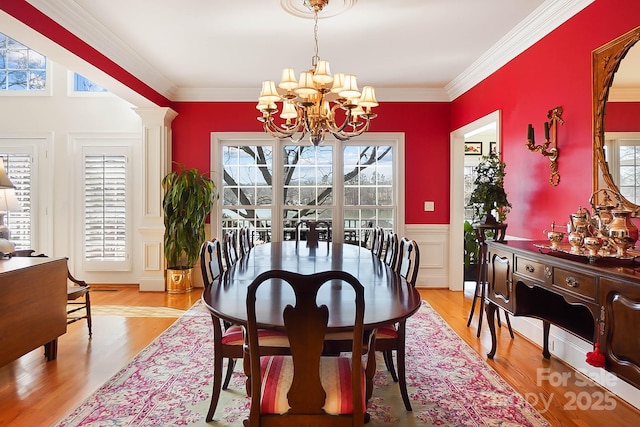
389, 297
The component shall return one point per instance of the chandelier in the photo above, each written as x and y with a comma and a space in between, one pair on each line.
318, 102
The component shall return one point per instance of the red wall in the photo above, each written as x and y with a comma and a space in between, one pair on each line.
554, 72
622, 117
425, 125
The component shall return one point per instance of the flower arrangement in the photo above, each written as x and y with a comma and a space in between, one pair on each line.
488, 195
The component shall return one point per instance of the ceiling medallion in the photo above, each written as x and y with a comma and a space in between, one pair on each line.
301, 10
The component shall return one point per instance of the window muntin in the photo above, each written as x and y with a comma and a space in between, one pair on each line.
21, 68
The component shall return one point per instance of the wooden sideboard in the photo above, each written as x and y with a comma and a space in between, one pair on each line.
599, 303
33, 300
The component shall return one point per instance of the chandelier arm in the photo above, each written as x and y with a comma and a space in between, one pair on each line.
271, 128
349, 135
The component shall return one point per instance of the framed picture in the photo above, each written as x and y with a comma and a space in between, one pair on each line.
473, 148
493, 147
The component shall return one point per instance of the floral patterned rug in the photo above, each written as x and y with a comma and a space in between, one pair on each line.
169, 384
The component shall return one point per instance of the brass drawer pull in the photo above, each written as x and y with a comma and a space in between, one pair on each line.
530, 268
572, 281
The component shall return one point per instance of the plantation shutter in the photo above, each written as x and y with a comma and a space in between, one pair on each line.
18, 167
105, 185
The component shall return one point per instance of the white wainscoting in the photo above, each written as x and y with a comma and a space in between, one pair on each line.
433, 241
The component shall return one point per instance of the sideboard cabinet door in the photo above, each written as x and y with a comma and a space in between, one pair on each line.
619, 336
500, 289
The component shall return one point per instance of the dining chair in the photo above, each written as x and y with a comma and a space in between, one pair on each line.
377, 242
78, 298
229, 248
314, 232
302, 389
391, 249
392, 337
228, 339
245, 240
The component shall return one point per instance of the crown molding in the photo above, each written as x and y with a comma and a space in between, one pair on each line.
69, 14
546, 18
251, 95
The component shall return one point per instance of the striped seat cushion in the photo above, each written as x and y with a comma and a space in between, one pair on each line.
387, 332
335, 376
384, 332
268, 337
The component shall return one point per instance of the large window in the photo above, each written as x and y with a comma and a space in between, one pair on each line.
355, 185
21, 68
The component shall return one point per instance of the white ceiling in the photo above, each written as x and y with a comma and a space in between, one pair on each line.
221, 50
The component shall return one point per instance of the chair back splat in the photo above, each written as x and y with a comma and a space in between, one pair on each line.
313, 232
229, 248
391, 250
408, 260
301, 380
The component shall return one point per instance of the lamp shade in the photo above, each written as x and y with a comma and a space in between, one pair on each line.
8, 200
5, 182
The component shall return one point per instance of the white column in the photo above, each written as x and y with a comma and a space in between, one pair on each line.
156, 163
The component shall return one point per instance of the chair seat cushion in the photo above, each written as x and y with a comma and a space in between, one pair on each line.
233, 335
335, 376
387, 332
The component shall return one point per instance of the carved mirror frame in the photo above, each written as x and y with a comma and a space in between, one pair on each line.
606, 61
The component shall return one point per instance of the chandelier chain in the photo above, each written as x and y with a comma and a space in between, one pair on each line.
316, 58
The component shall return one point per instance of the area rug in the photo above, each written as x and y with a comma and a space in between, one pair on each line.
169, 384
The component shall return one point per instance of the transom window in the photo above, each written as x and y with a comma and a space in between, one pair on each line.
21, 68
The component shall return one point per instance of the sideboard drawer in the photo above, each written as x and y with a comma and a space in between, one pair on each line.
529, 268
575, 282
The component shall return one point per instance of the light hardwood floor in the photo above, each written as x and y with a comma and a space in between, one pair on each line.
34, 392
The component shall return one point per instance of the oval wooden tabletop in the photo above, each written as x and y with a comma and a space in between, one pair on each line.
388, 296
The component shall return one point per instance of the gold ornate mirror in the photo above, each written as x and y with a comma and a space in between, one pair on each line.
609, 61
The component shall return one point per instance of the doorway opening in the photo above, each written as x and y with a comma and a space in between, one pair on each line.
485, 130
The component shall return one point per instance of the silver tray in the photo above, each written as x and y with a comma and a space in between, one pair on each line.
582, 254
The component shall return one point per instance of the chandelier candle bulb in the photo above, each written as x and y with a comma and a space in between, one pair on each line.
368, 98
322, 74
350, 88
338, 83
269, 93
306, 86
288, 81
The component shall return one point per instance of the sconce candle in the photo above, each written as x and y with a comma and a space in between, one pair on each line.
530, 132
546, 131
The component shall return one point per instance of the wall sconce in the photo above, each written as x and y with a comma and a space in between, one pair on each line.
555, 117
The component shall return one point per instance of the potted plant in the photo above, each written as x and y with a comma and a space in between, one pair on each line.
187, 202
470, 253
488, 196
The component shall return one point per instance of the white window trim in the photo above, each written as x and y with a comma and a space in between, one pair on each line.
102, 143
38, 145
219, 139
71, 93
48, 86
